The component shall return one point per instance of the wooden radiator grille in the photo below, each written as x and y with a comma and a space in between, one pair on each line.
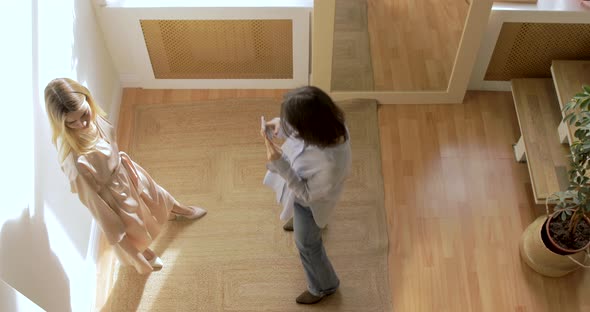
525, 50
220, 49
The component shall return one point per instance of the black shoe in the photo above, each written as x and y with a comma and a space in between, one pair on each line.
288, 226
307, 298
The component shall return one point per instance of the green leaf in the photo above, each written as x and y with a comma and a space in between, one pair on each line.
584, 103
563, 216
579, 134
571, 118
569, 105
586, 88
559, 206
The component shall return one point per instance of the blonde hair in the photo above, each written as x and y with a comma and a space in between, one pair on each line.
62, 96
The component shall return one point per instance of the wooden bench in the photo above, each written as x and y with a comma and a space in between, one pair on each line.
568, 78
539, 116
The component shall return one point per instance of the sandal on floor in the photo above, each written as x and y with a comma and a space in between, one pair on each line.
308, 298
288, 226
156, 263
198, 213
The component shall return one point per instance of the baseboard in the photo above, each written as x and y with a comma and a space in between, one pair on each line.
115, 107
92, 261
493, 86
94, 244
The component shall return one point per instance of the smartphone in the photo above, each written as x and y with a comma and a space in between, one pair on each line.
267, 130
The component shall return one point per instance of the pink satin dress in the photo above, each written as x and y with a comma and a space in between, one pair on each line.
121, 196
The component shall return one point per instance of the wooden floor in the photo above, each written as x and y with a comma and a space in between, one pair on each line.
414, 43
456, 201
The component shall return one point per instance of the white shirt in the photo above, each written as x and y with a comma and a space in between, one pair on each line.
309, 175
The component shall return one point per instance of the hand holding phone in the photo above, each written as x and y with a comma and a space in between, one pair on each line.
273, 151
268, 131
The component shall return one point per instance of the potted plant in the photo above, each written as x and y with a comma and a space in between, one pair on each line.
559, 243
568, 228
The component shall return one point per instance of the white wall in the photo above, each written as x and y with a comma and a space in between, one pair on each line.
12, 300
44, 230
544, 11
120, 21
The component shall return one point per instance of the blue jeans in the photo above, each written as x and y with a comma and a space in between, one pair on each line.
321, 278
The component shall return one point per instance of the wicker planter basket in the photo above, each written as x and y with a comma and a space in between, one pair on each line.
534, 252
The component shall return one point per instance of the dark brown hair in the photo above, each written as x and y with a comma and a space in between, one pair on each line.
308, 113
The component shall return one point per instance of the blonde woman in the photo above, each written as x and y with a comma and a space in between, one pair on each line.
126, 202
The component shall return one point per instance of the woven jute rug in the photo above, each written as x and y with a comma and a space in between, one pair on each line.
238, 258
352, 68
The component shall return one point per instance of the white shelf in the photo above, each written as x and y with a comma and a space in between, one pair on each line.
543, 6
208, 3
